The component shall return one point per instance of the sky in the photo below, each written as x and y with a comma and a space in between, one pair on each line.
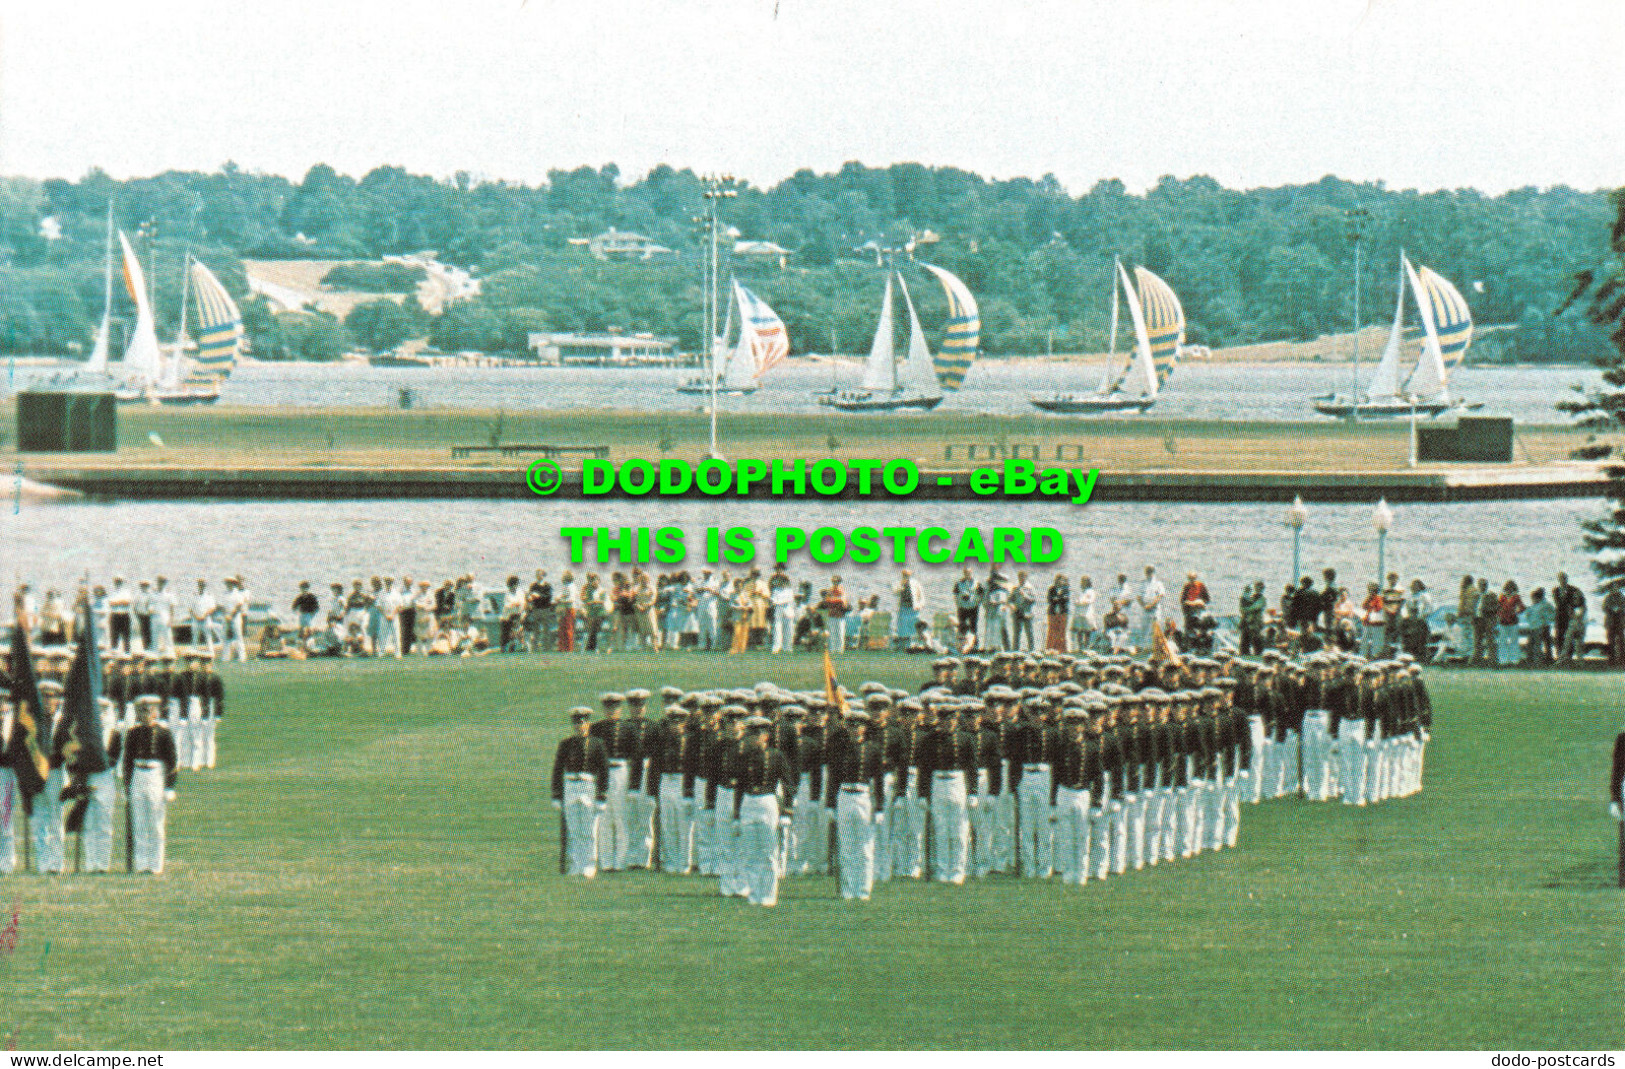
1427, 94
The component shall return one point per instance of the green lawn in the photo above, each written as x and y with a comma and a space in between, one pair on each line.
375, 865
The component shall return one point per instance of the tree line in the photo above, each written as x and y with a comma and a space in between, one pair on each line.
1249, 265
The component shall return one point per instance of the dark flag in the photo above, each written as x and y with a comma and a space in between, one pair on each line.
79, 728
25, 755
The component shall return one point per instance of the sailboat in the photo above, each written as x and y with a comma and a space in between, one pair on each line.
762, 344
918, 381
1446, 331
97, 364
1159, 331
196, 379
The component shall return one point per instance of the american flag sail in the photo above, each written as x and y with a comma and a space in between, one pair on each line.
771, 341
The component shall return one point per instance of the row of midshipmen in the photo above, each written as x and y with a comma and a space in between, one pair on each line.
140, 755
1084, 781
191, 696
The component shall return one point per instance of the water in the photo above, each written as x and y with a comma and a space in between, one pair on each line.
274, 544
1198, 391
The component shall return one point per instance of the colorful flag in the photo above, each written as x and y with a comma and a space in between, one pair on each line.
834, 693
1162, 647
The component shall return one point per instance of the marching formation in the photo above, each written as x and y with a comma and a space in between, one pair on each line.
75, 726
1083, 767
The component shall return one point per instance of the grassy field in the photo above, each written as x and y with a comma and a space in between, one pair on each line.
252, 436
374, 865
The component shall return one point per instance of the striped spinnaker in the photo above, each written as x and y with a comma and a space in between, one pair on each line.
220, 328
772, 342
960, 335
1164, 322
1451, 318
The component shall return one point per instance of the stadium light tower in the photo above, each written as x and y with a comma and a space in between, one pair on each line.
1382, 519
1295, 519
717, 187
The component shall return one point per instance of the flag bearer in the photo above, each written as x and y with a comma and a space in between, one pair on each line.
856, 791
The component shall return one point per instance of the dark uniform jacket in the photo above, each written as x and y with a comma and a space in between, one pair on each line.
667, 749
863, 763
1077, 766
947, 751
623, 740
143, 743
762, 772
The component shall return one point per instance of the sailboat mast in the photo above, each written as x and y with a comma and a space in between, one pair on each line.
1354, 389
1111, 356
107, 272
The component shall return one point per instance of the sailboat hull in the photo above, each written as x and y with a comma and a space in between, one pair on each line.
1342, 408
868, 402
703, 387
1090, 405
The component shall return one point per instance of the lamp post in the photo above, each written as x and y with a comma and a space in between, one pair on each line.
1295, 517
1358, 218
1382, 519
716, 188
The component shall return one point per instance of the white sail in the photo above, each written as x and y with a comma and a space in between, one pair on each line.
1427, 382
739, 371
1384, 385
1111, 357
98, 354
1140, 380
142, 360
919, 374
880, 371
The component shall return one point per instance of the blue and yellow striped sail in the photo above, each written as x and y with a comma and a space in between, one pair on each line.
1164, 322
1452, 320
960, 335
219, 329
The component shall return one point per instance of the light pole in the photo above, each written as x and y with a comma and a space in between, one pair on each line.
1382, 519
1358, 218
716, 188
1295, 517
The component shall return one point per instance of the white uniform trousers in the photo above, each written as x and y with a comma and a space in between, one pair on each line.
1100, 839
1291, 765
1255, 779
705, 831
1134, 810
816, 847
1155, 798
728, 844
1117, 825
11, 809
855, 835
177, 720
1351, 751
45, 825
1190, 817
1317, 756
758, 849
96, 834
1232, 807
614, 825
147, 809
207, 727
675, 820
1373, 767
1271, 768
1004, 826
982, 820
797, 862
640, 817
1037, 834
950, 827
883, 830
1171, 806
1072, 835
1215, 814
907, 820
191, 753
581, 814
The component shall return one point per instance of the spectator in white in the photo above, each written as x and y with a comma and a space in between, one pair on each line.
910, 600
1413, 632
835, 605
203, 610
1123, 598
513, 613
1536, 625
924, 641
335, 606
30, 604
423, 621
236, 610
1023, 598
996, 611
163, 617
118, 616
141, 609
707, 594
781, 598
54, 621
389, 608
1085, 616
1151, 599
968, 595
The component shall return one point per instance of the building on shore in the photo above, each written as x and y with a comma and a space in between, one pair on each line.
615, 244
606, 350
